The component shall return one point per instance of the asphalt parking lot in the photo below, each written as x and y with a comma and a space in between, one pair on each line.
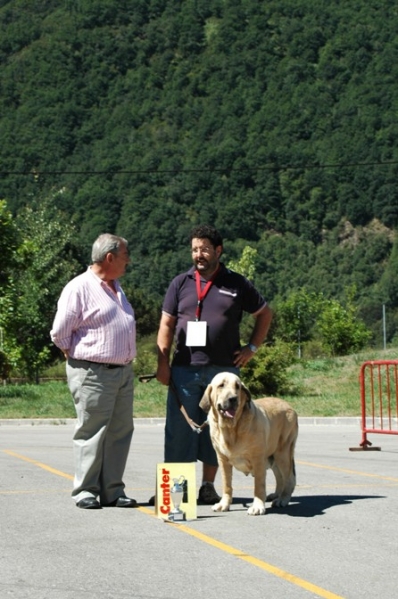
337, 538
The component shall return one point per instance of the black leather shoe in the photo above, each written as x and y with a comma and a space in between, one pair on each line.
122, 502
89, 503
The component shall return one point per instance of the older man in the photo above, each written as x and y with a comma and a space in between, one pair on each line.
95, 328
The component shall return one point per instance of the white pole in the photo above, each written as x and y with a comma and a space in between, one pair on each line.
298, 334
384, 327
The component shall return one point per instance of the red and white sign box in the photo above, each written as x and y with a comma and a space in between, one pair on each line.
165, 475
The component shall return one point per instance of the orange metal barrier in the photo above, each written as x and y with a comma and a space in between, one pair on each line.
378, 382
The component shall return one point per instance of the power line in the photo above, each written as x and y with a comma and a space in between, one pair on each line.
271, 167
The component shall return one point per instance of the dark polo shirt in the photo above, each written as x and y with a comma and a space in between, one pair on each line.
230, 295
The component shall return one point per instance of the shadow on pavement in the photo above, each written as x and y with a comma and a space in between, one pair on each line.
307, 506
316, 505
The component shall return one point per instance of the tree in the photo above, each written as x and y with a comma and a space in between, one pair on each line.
46, 259
146, 310
296, 316
8, 247
8, 241
307, 316
246, 264
341, 330
389, 279
274, 121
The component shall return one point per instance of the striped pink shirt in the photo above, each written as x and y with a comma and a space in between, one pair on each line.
92, 323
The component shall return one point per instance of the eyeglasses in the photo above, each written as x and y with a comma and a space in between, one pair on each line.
205, 250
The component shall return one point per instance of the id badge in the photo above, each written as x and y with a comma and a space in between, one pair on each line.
196, 333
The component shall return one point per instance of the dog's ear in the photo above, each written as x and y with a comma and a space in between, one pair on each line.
205, 402
247, 393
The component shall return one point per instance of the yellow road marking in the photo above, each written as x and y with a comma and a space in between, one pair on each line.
146, 510
356, 472
39, 464
275, 571
308, 586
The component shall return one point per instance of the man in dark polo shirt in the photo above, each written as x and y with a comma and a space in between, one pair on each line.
201, 313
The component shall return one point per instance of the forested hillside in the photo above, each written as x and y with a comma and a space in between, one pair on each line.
276, 120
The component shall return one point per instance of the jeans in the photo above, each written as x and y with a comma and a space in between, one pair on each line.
182, 444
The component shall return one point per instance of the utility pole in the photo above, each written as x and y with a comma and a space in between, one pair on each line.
298, 333
384, 328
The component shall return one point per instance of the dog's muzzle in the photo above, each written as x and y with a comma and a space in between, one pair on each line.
228, 407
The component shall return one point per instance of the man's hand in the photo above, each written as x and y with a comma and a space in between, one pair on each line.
163, 374
243, 356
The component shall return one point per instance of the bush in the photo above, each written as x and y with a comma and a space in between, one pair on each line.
146, 360
5, 366
342, 332
314, 349
266, 373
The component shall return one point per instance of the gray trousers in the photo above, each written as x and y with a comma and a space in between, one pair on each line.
104, 408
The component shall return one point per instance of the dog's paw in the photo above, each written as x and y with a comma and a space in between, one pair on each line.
257, 508
280, 501
221, 506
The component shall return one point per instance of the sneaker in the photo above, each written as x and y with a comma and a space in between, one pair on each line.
151, 500
207, 495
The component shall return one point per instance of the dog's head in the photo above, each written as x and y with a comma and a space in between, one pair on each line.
226, 395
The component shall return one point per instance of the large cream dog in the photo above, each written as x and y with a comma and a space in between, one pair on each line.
251, 435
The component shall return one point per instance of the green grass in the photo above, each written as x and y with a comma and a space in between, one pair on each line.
323, 387
326, 388
53, 400
47, 400
330, 387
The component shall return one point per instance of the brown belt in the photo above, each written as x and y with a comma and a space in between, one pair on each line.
110, 366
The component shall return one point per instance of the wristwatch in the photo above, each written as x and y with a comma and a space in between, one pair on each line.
252, 347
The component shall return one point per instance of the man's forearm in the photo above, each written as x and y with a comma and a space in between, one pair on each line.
261, 327
164, 343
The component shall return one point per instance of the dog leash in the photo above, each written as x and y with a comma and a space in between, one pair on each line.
197, 428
